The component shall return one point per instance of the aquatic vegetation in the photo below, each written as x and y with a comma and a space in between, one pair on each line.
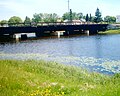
93, 64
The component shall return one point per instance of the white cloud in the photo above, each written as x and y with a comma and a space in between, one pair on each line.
29, 7
16, 8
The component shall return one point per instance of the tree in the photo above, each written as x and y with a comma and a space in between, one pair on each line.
53, 17
71, 18
98, 15
3, 22
45, 17
65, 16
87, 18
27, 21
74, 16
110, 19
15, 20
90, 18
80, 15
50, 17
37, 17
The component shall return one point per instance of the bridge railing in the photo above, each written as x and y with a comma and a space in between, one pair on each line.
42, 24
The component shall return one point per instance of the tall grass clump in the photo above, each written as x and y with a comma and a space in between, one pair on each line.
112, 31
40, 78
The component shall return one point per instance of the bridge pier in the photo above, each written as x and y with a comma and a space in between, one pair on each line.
66, 33
5, 38
87, 32
16, 37
24, 36
58, 34
93, 32
39, 34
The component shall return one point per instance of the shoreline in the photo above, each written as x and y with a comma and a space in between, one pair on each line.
112, 31
32, 78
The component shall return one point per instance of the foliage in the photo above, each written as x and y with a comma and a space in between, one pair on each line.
44, 17
90, 18
37, 17
27, 21
3, 22
71, 15
87, 18
15, 19
66, 16
75, 16
98, 15
53, 17
110, 19
40, 78
80, 15
49, 17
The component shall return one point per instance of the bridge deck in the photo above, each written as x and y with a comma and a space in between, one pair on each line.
93, 28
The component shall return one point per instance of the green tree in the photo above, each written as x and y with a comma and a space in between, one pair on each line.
66, 16
27, 21
90, 18
15, 20
98, 15
53, 17
110, 19
84, 17
74, 16
45, 17
49, 17
87, 18
37, 18
71, 15
3, 22
80, 15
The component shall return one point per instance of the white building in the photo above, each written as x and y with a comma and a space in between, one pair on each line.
118, 18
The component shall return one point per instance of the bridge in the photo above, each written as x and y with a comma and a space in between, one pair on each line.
41, 29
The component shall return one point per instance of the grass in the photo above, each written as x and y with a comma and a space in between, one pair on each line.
116, 31
40, 78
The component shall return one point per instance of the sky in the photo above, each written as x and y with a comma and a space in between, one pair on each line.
23, 8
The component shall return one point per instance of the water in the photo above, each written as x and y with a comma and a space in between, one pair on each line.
100, 53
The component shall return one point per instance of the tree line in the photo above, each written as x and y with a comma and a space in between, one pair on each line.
53, 17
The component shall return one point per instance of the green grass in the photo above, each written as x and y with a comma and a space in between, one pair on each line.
117, 31
40, 78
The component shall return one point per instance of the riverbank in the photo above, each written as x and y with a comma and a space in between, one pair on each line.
116, 31
40, 78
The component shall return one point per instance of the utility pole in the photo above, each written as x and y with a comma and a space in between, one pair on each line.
68, 5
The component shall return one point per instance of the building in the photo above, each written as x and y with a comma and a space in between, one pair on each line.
76, 22
118, 18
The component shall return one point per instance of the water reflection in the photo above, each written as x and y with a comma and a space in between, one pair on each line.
97, 53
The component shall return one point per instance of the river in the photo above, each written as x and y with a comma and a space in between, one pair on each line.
99, 53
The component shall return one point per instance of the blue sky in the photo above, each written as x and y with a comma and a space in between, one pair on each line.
24, 8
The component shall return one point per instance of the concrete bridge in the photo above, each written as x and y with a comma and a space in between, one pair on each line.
42, 29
